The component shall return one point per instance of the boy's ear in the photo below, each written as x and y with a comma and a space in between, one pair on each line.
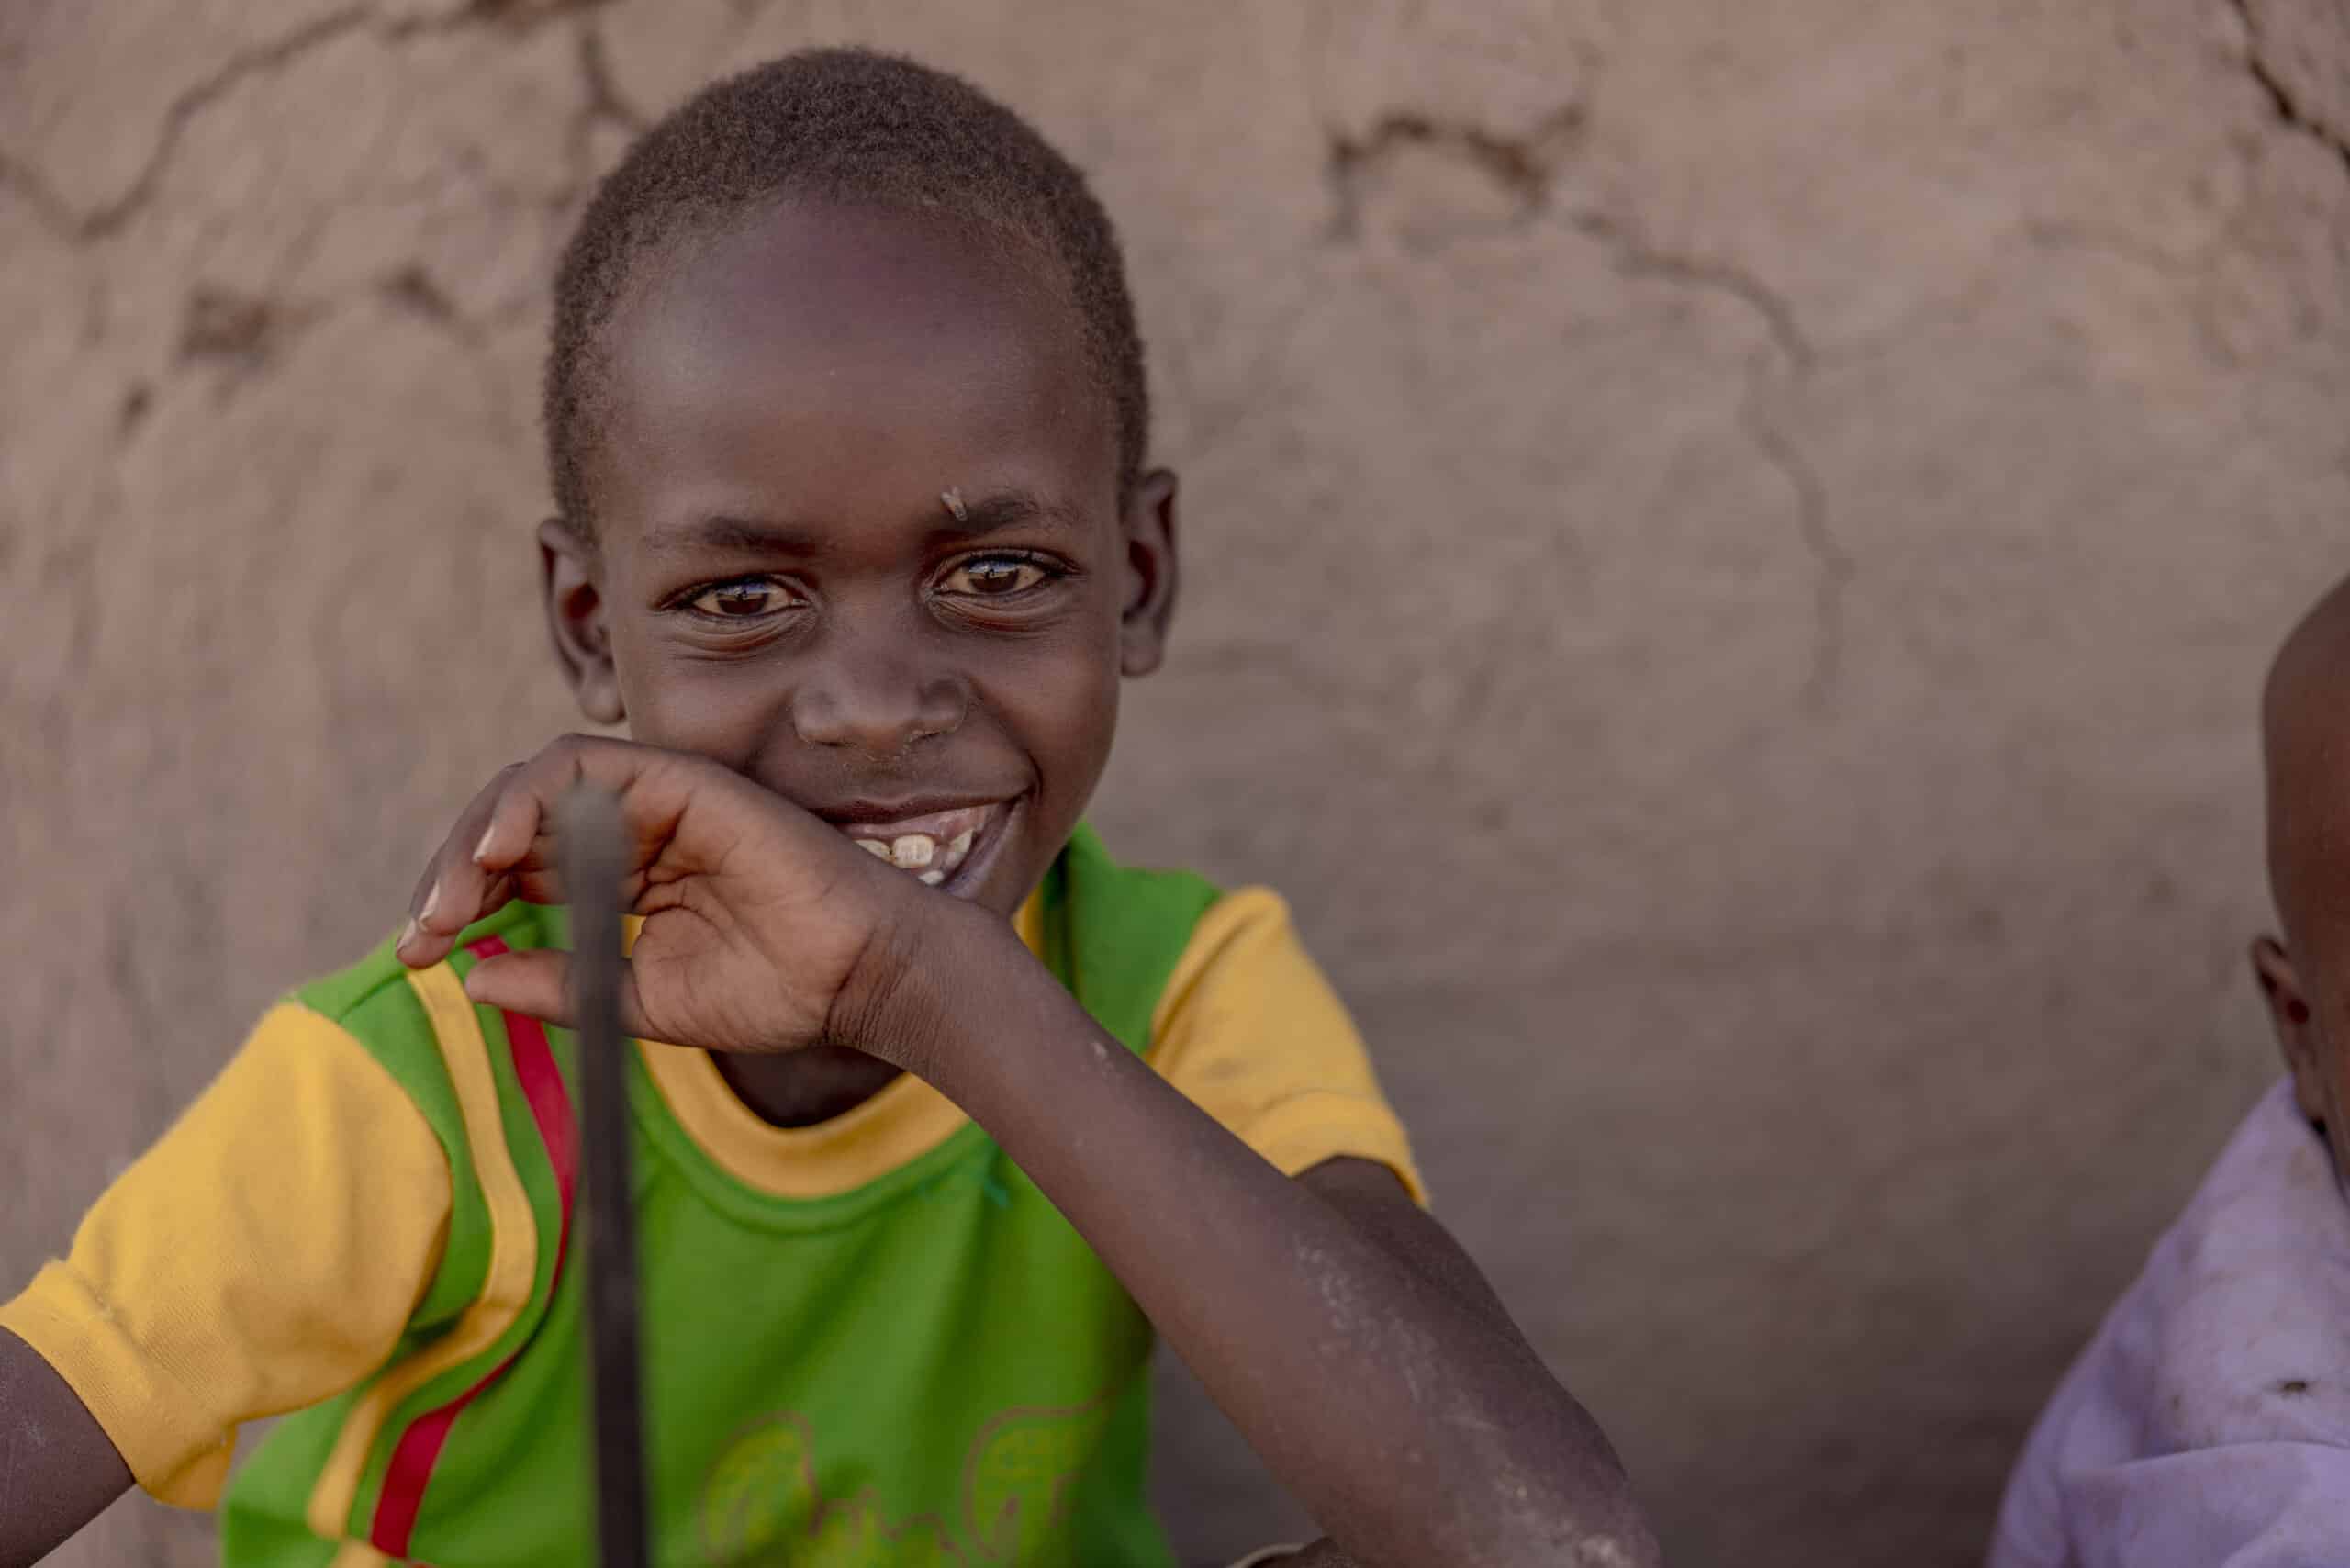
2295, 1024
582, 645
1150, 603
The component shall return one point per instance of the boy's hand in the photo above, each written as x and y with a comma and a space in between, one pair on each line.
765, 929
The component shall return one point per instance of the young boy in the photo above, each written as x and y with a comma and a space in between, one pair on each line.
2209, 1420
846, 413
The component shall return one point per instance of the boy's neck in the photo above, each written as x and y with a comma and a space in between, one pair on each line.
798, 1089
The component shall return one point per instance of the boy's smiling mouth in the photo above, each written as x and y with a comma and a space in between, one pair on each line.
933, 842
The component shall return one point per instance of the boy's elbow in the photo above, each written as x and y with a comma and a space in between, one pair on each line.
1602, 1530
1569, 1505
1515, 1536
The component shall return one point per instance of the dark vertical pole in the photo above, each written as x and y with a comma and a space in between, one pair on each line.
594, 853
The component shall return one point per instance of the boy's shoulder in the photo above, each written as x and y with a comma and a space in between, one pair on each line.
358, 992
411, 1021
1102, 891
1115, 934
2243, 1301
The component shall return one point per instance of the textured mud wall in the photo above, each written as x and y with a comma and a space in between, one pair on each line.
1731, 547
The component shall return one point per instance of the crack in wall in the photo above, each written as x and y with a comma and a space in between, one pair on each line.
604, 101
2065, 233
1832, 564
82, 227
136, 403
246, 334
50, 208
1634, 257
273, 55
220, 325
522, 14
2189, 272
2289, 113
1523, 168
601, 103
412, 289
1519, 165
237, 336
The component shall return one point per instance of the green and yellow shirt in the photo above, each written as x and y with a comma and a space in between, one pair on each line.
870, 1341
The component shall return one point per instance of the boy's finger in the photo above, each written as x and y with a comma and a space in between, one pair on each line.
514, 823
457, 897
655, 789
536, 984
451, 894
518, 830
502, 846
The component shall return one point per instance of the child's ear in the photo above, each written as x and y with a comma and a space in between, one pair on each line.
583, 644
1150, 603
2296, 1025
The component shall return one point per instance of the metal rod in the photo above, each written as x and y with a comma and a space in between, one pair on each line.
592, 836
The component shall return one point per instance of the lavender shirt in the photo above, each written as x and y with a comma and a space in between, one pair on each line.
2207, 1424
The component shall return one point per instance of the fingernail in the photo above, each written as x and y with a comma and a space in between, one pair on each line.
481, 850
408, 935
431, 902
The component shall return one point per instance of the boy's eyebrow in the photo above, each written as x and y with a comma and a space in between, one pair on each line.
752, 536
1007, 508
763, 536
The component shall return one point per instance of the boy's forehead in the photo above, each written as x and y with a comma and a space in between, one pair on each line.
810, 344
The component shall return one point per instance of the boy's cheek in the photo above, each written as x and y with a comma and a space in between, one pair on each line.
1067, 725
698, 713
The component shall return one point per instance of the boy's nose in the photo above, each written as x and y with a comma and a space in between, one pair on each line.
875, 694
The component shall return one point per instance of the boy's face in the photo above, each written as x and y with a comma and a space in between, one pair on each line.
859, 537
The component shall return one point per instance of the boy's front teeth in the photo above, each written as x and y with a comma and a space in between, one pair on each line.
922, 854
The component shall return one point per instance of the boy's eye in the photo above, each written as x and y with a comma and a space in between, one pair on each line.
994, 576
741, 600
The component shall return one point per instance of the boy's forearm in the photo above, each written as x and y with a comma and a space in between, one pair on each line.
1406, 1414
58, 1468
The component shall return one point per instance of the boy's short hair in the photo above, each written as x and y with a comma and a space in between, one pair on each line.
845, 124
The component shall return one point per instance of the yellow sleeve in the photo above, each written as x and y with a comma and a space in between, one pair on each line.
264, 1255
1252, 1034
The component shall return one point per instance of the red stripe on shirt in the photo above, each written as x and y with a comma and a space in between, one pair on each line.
420, 1447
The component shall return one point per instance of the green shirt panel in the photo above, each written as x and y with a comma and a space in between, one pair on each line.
932, 1368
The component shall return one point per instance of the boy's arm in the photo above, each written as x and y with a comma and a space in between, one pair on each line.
1370, 1196
266, 1252
1341, 1328
58, 1471
1353, 1347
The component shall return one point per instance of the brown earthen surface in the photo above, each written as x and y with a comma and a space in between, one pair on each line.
1731, 546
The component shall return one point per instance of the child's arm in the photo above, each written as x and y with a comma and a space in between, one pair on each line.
58, 1471
264, 1253
1339, 1326
1341, 1329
